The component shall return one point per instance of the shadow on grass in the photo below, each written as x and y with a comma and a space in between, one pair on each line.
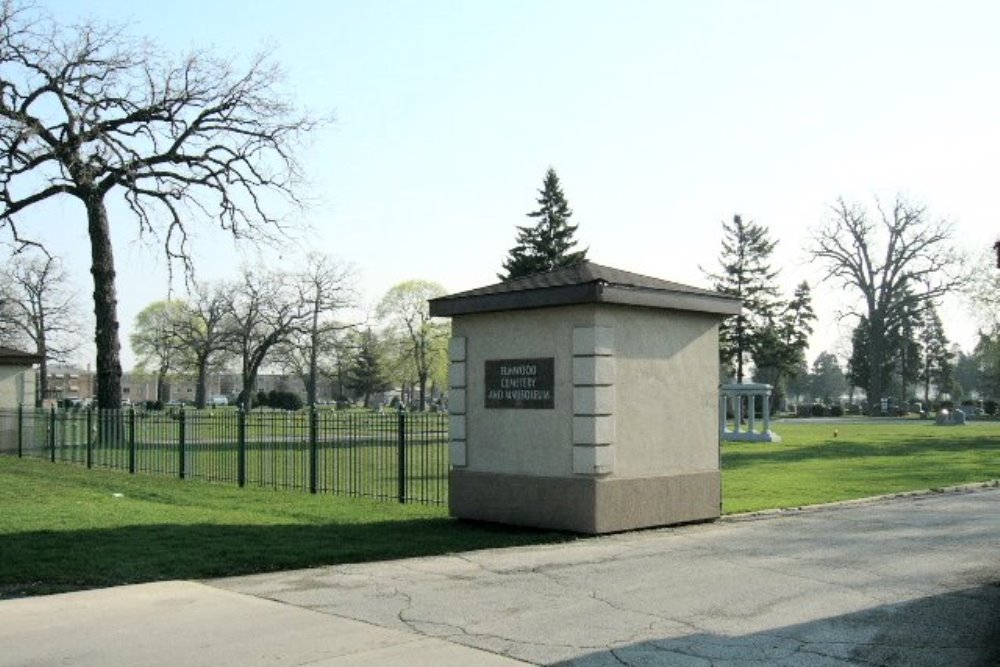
746, 455
43, 562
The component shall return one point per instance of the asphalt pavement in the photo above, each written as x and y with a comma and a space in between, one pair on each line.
908, 581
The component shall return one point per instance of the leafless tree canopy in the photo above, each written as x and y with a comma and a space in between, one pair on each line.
38, 310
901, 261
262, 315
87, 110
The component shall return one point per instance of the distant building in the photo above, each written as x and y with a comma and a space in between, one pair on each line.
74, 383
70, 382
17, 377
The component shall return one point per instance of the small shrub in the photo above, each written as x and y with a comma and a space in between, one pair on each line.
284, 400
990, 407
818, 410
836, 411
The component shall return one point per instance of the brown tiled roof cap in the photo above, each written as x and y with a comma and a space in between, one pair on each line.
10, 356
585, 282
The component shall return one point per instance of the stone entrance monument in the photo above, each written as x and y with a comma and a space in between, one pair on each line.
585, 399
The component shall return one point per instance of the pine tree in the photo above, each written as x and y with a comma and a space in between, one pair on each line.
936, 357
549, 243
780, 348
827, 379
900, 365
746, 274
365, 375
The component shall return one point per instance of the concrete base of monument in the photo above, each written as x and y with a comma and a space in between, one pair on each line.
585, 504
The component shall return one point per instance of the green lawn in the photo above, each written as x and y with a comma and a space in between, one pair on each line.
63, 527
811, 465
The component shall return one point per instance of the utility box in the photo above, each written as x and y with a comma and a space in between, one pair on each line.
585, 399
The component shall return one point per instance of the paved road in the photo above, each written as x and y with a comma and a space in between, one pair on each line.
907, 582
912, 581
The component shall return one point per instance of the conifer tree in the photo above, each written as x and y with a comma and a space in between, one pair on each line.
366, 375
549, 243
780, 348
937, 359
746, 273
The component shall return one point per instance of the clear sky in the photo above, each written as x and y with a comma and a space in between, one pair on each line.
661, 118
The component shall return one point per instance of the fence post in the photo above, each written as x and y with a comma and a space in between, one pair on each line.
312, 449
131, 440
20, 430
401, 452
180, 443
52, 433
90, 441
241, 447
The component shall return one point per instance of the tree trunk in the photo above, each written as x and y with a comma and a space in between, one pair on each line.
200, 400
313, 353
43, 379
161, 385
109, 368
876, 356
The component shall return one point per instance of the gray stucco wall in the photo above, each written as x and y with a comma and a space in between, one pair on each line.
666, 391
663, 396
514, 441
17, 385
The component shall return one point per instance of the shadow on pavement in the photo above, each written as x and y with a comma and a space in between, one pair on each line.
958, 629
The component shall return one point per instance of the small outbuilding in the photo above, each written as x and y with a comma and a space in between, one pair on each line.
17, 377
585, 399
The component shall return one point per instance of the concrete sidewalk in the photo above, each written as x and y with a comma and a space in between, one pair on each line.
184, 623
908, 582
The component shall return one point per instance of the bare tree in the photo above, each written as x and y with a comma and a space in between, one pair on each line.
405, 310
264, 312
200, 329
39, 310
899, 263
324, 288
86, 111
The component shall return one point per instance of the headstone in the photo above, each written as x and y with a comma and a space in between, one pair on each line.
958, 418
943, 417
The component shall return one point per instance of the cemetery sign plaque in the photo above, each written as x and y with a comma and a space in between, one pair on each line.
520, 383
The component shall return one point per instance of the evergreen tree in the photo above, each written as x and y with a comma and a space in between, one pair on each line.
987, 356
859, 371
780, 349
827, 379
966, 375
549, 243
746, 274
937, 359
366, 376
900, 364
905, 349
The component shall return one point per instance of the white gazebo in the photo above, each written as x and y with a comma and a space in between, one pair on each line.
734, 395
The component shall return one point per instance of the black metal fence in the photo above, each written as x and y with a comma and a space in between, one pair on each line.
390, 456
